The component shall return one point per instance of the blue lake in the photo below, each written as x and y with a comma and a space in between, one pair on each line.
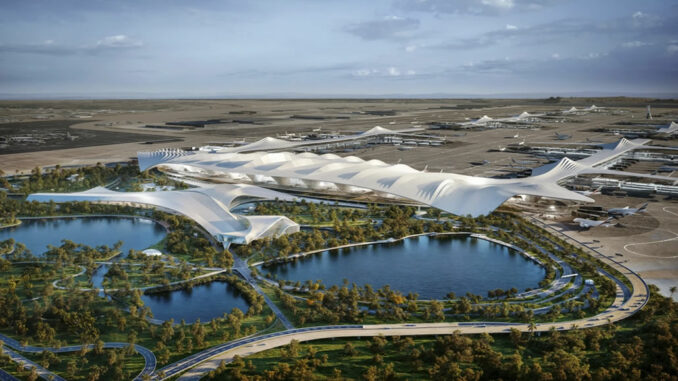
430, 267
135, 233
204, 302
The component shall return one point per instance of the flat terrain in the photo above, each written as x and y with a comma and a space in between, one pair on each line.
646, 242
255, 119
58, 134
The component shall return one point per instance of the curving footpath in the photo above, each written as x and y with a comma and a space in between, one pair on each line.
627, 302
149, 358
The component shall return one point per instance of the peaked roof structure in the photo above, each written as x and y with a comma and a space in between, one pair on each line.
596, 163
454, 193
483, 119
274, 144
671, 129
210, 207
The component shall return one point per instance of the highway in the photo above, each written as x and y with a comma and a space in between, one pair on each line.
149, 358
28, 364
627, 302
4, 376
201, 363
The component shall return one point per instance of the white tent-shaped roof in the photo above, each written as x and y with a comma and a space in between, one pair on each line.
671, 129
209, 207
454, 193
482, 120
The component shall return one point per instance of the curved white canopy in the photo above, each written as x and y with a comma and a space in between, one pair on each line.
457, 194
209, 207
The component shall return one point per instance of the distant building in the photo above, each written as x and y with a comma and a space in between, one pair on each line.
152, 253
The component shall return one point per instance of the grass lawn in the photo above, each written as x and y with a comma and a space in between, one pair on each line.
31, 279
132, 365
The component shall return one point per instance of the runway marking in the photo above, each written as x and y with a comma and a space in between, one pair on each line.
626, 247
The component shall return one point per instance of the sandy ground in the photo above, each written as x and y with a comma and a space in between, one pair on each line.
649, 242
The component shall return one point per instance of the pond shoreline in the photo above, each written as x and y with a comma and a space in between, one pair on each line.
293, 257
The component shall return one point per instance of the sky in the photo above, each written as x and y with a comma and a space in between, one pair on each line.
229, 48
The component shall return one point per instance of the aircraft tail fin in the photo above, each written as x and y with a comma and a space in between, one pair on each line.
643, 207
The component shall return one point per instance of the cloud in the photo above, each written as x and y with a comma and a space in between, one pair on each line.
388, 28
617, 68
634, 44
50, 47
390, 71
672, 48
119, 41
644, 20
504, 65
636, 28
477, 7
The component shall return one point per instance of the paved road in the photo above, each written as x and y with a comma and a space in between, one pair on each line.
4, 376
212, 271
149, 358
243, 269
626, 303
207, 360
28, 364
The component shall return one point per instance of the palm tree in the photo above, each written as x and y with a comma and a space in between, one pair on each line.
673, 290
532, 327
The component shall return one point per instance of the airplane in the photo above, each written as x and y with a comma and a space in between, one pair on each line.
502, 149
523, 162
522, 143
562, 136
516, 136
667, 168
625, 211
484, 162
585, 223
589, 193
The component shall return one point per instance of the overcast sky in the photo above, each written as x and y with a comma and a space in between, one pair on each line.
169, 48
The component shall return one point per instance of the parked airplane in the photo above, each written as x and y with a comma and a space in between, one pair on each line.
625, 211
562, 136
484, 162
523, 162
589, 193
585, 223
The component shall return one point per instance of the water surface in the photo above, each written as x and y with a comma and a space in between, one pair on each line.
205, 301
135, 233
431, 267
